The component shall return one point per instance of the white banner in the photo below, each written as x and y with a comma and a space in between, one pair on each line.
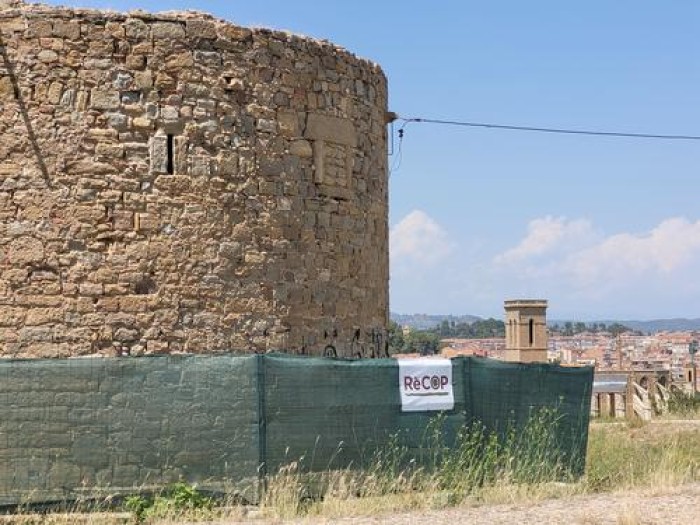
426, 384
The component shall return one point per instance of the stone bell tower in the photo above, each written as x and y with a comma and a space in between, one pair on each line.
526, 330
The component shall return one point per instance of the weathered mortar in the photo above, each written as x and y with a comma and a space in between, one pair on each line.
173, 182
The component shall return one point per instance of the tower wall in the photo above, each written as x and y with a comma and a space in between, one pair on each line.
176, 183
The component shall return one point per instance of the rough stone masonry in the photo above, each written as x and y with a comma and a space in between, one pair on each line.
175, 183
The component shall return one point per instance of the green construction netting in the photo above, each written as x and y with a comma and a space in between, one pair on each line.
70, 426
79, 427
504, 395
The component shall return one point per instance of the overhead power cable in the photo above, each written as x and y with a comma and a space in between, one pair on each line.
547, 130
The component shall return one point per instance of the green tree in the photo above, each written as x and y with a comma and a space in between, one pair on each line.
568, 328
616, 329
395, 336
445, 329
421, 342
487, 328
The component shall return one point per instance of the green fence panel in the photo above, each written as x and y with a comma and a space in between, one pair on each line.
334, 413
77, 428
69, 427
505, 395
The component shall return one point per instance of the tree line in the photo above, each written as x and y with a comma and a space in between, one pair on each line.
427, 342
570, 328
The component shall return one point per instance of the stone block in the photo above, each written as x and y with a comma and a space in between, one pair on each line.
159, 154
167, 31
146, 222
228, 164
7, 90
69, 29
43, 316
230, 32
11, 316
289, 123
143, 79
26, 250
143, 124
102, 99
201, 29
91, 289
136, 29
332, 129
39, 27
135, 62
114, 151
301, 148
47, 56
54, 94
200, 166
179, 61
35, 334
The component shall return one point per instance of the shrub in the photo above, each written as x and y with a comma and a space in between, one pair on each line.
684, 404
177, 499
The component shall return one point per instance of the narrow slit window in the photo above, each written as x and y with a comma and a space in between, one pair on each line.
532, 331
171, 164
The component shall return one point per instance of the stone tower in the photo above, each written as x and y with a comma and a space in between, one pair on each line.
526, 330
176, 183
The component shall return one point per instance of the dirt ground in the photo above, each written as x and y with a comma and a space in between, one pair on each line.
672, 506
677, 506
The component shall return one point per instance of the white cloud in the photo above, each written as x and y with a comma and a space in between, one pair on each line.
545, 235
669, 247
569, 254
418, 240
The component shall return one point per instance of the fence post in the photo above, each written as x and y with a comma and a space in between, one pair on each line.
468, 388
262, 424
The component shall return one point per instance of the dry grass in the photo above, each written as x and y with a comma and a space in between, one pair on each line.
657, 456
479, 468
72, 518
629, 516
654, 458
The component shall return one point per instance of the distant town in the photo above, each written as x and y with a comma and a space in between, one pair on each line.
611, 345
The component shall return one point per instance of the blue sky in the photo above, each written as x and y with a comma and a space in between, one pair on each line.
603, 228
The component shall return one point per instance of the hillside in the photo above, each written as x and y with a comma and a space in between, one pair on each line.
427, 321
648, 327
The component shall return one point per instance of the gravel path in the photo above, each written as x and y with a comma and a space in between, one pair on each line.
678, 506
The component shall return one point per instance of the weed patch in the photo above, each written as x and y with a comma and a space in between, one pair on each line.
177, 500
684, 405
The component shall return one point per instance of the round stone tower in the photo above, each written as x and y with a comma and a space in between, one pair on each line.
175, 183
